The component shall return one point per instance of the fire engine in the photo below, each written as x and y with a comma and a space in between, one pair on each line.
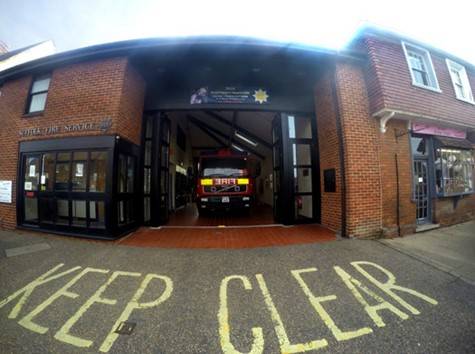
224, 181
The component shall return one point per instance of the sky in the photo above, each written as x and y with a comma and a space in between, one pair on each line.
446, 24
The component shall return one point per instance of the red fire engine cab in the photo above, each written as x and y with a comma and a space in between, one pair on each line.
224, 181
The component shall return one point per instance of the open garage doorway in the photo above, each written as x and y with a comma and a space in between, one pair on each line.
209, 168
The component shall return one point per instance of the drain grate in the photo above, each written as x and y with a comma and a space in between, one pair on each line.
125, 328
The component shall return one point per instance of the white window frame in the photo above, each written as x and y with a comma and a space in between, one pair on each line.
452, 65
424, 53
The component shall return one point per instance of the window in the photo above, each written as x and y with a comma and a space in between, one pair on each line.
38, 94
460, 81
420, 67
454, 171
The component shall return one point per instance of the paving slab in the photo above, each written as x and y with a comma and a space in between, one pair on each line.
451, 249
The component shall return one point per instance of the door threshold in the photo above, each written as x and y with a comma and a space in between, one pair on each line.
216, 226
426, 227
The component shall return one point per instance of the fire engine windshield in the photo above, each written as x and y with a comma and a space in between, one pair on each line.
223, 167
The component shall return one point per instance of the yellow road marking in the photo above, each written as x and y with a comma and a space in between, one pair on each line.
134, 304
63, 334
390, 285
28, 289
316, 303
27, 320
285, 345
223, 320
371, 310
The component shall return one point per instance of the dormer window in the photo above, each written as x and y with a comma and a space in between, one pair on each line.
420, 67
38, 94
462, 88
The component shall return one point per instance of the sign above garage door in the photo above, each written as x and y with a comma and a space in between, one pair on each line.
229, 95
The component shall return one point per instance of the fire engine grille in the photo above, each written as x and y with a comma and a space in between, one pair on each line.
225, 189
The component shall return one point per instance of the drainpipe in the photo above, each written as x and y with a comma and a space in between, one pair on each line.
341, 150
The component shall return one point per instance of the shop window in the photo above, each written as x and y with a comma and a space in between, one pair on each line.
38, 94
454, 171
126, 186
97, 174
420, 67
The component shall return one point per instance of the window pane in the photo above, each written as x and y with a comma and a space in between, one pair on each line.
130, 174
303, 207
62, 212
79, 171
419, 146
98, 167
164, 156
41, 84
122, 173
78, 213
301, 154
130, 211
47, 175
148, 153
121, 210
303, 180
47, 211
420, 78
32, 173
31, 209
62, 171
164, 182
457, 170
146, 209
147, 180
299, 127
96, 215
38, 102
148, 128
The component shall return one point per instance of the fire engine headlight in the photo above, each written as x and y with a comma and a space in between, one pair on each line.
204, 199
245, 198
243, 181
207, 182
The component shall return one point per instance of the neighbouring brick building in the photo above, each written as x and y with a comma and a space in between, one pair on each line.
375, 140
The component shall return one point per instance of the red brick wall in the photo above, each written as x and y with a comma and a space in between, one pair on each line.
394, 144
390, 84
449, 211
328, 149
85, 92
362, 165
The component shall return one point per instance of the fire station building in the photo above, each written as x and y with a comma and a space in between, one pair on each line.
375, 140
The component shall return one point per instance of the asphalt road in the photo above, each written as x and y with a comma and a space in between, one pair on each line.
269, 300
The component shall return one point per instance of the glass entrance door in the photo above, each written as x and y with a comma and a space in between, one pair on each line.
30, 183
296, 174
421, 191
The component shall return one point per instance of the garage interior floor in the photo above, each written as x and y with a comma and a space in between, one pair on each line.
188, 216
187, 229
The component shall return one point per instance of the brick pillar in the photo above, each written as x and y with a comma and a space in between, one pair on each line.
362, 165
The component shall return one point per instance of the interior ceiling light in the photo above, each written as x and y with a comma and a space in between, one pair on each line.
247, 140
237, 147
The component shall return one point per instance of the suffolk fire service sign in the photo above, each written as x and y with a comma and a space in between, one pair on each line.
229, 95
5, 191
